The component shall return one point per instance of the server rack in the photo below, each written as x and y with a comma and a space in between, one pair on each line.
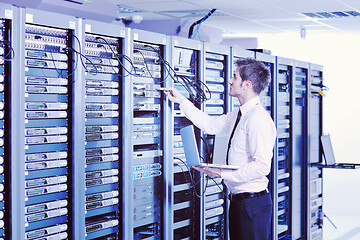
187, 219
101, 99
237, 54
281, 172
216, 76
314, 183
145, 163
6, 56
299, 153
43, 108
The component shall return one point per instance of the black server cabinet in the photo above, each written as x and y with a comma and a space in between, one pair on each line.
6, 54
283, 151
103, 134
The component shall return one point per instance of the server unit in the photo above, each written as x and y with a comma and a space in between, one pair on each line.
186, 62
216, 76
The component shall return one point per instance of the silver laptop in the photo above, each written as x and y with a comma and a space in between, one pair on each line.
192, 153
330, 156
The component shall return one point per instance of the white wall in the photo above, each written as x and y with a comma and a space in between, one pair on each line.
339, 53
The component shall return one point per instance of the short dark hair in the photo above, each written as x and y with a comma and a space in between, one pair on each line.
254, 71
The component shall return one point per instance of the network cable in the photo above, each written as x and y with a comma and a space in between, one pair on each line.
84, 56
117, 58
146, 65
193, 87
190, 35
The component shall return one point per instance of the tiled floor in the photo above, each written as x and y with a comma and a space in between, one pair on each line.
348, 228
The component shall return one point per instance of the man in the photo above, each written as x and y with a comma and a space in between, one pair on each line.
252, 138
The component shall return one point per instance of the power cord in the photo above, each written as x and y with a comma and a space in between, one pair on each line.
199, 195
11, 53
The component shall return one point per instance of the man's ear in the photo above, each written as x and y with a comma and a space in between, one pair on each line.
248, 83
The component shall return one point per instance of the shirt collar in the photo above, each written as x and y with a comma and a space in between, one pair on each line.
249, 104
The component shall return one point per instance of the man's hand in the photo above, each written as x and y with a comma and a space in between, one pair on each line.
173, 94
212, 172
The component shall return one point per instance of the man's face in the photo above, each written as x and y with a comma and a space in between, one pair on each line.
236, 84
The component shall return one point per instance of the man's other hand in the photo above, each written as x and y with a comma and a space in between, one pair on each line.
212, 172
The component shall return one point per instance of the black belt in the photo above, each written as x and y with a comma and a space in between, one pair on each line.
241, 196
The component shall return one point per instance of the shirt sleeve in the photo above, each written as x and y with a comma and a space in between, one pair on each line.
209, 124
261, 139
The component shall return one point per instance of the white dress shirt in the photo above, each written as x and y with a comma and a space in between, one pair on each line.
251, 146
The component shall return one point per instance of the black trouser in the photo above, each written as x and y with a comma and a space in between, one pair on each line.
250, 218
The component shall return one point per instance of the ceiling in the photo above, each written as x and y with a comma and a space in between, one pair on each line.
241, 17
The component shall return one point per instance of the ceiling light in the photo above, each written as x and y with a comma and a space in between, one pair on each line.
353, 13
326, 14
312, 15
340, 14
126, 9
335, 14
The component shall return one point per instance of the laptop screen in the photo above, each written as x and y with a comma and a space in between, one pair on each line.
190, 146
327, 150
